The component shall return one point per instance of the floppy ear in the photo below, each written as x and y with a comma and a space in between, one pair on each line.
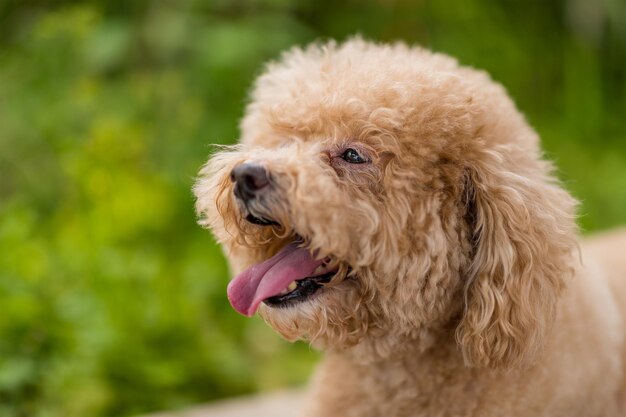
523, 235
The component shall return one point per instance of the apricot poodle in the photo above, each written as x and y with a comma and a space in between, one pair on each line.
393, 209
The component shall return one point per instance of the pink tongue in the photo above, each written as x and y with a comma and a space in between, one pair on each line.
269, 278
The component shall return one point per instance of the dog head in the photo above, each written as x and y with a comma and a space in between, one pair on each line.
380, 193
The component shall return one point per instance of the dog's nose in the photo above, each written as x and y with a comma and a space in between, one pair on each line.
249, 178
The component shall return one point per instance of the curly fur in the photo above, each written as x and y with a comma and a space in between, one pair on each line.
459, 290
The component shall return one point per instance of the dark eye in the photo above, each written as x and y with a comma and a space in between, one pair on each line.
352, 156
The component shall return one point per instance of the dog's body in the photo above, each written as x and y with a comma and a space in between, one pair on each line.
580, 373
393, 208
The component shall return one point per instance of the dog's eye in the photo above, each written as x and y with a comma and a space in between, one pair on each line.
352, 156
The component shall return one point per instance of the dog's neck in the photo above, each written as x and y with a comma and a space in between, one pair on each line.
419, 345
430, 363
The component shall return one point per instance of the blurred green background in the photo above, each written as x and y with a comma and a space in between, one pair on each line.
112, 300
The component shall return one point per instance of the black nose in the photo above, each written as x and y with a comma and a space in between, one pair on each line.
249, 178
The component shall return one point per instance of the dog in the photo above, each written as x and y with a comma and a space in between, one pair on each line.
393, 208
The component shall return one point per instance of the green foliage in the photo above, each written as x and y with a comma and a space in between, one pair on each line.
112, 300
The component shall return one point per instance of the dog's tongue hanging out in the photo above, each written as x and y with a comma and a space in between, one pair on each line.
267, 279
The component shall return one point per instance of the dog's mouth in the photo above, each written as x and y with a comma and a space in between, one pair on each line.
300, 290
261, 221
291, 276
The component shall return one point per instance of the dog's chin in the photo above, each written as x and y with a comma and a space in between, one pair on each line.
334, 318
310, 321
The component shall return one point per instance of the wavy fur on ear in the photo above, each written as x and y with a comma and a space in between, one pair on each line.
524, 240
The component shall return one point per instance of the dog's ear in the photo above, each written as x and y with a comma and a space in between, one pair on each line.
522, 229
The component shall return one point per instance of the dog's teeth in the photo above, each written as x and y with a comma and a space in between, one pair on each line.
320, 269
292, 286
